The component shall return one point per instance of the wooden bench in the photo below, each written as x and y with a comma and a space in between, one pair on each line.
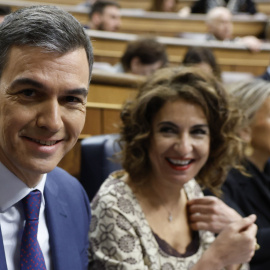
170, 24
158, 23
109, 47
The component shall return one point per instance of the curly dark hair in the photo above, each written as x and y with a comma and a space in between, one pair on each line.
195, 87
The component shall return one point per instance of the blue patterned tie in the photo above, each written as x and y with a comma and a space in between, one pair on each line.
31, 257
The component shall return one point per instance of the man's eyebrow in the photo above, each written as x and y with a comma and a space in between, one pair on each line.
22, 81
27, 81
77, 91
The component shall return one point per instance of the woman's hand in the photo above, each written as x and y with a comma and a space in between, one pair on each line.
236, 244
211, 214
233, 246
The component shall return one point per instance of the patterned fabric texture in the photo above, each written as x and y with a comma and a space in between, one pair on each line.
121, 238
31, 256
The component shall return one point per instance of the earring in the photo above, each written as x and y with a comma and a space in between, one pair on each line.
248, 150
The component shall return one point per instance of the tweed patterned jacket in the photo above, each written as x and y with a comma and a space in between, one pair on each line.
121, 238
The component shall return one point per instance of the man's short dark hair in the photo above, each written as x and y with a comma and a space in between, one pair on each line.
148, 50
100, 5
47, 27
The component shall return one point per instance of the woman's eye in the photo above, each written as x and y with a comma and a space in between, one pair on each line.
199, 131
167, 130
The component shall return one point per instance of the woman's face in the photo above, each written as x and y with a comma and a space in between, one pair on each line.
260, 134
180, 142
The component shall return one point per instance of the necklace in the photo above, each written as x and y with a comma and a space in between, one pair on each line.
170, 215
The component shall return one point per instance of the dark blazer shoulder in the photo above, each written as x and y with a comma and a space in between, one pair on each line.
68, 218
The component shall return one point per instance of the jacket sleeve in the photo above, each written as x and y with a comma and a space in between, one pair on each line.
114, 241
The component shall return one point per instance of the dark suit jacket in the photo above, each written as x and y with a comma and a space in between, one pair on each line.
201, 6
251, 195
68, 219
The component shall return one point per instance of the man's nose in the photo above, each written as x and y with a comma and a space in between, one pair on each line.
50, 116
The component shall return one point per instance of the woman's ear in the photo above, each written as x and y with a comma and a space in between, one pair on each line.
245, 134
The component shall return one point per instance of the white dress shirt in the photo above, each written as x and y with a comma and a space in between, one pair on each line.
12, 190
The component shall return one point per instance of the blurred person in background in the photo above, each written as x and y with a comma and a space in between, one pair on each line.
163, 6
220, 27
247, 192
105, 15
203, 58
235, 6
143, 57
251, 193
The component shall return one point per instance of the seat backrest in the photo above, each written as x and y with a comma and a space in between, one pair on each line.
95, 162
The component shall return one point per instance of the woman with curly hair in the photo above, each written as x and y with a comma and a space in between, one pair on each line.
179, 127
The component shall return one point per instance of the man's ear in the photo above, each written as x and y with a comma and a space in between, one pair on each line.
135, 64
96, 18
245, 134
208, 27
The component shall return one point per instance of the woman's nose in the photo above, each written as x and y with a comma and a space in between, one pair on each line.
183, 145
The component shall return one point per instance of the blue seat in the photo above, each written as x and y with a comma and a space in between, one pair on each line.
95, 162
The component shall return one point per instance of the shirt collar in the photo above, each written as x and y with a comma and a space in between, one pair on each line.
12, 189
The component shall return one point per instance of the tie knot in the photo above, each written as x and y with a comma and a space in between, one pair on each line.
31, 205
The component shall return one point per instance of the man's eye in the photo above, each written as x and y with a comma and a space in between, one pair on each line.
73, 99
28, 92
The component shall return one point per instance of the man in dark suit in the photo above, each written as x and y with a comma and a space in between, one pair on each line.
45, 67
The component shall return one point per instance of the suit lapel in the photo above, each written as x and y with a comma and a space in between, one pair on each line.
3, 265
63, 249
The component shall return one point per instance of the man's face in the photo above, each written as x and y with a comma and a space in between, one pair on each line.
222, 27
139, 68
42, 109
110, 19
168, 5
